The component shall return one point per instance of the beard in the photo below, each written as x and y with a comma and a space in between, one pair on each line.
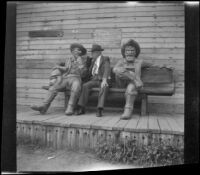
130, 58
76, 55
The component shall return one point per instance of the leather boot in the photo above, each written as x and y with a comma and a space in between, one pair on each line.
80, 111
47, 102
71, 103
99, 112
128, 110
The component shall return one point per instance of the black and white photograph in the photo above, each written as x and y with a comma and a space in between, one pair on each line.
99, 85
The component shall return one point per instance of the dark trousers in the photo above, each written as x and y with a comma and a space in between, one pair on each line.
86, 91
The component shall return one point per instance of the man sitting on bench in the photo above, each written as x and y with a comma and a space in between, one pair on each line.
73, 70
128, 74
99, 72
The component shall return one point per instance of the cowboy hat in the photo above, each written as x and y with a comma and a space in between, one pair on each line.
80, 46
96, 47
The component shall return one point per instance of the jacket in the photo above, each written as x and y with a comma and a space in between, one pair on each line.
134, 67
104, 68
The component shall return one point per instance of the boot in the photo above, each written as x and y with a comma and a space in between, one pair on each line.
127, 113
80, 111
99, 112
71, 103
47, 102
128, 110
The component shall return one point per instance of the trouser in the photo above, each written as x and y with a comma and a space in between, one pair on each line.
128, 84
86, 90
71, 83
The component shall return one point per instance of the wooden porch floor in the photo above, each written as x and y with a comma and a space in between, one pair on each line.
57, 130
155, 123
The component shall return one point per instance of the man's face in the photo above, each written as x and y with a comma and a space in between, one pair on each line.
76, 52
95, 54
130, 53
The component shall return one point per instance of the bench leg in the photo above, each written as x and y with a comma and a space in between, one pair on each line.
144, 105
66, 99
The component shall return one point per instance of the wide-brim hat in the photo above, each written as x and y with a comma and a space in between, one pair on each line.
96, 47
133, 43
80, 46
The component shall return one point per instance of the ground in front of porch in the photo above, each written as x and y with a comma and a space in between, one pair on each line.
63, 143
31, 158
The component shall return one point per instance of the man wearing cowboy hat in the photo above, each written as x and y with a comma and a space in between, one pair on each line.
128, 74
72, 72
99, 74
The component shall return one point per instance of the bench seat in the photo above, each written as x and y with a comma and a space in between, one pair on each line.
157, 82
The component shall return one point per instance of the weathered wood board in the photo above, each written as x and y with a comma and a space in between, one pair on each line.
158, 27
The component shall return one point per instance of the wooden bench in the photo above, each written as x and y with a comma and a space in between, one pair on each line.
157, 82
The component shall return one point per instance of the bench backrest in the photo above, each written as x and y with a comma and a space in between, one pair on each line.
153, 75
157, 81
157, 75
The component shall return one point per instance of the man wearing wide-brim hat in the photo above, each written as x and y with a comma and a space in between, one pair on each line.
72, 70
99, 72
128, 74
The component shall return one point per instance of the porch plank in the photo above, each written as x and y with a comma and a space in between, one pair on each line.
132, 123
63, 120
153, 124
179, 118
33, 117
85, 121
55, 121
120, 125
164, 125
176, 129
142, 125
98, 124
78, 121
108, 125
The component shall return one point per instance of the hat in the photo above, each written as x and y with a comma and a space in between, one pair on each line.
96, 47
55, 73
133, 43
80, 46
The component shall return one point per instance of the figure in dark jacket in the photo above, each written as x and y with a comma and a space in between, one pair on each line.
99, 72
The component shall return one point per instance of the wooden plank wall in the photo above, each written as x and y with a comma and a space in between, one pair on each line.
158, 27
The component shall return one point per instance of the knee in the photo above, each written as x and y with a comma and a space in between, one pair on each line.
53, 89
76, 86
131, 89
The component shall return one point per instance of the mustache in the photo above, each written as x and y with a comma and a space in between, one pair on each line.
130, 55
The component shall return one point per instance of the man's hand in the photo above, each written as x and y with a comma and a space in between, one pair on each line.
121, 70
61, 68
104, 83
138, 83
132, 74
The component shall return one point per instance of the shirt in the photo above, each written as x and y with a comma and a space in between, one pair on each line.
95, 68
74, 67
135, 68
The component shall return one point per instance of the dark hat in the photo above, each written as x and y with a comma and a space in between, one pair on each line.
80, 46
133, 43
96, 47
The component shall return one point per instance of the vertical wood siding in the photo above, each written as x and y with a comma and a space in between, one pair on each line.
158, 27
